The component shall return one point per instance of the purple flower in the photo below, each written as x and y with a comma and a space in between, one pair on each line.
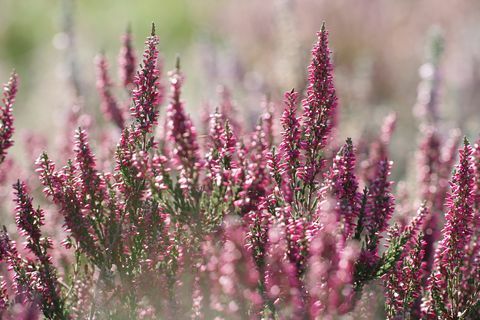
320, 108
380, 200
379, 149
403, 282
6, 116
182, 134
90, 183
290, 146
448, 277
109, 105
29, 221
60, 187
147, 94
343, 186
457, 230
127, 60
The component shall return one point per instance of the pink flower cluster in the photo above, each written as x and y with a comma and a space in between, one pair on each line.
244, 224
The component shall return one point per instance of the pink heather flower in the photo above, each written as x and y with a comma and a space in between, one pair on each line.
379, 148
159, 170
476, 216
256, 178
29, 222
6, 116
297, 232
125, 149
219, 159
320, 108
380, 205
258, 223
60, 187
429, 173
182, 133
90, 183
213, 175
448, 276
212, 158
404, 282
414, 226
275, 168
476, 157
147, 94
135, 165
48, 177
429, 161
28, 219
457, 230
109, 105
127, 60
215, 129
5, 245
290, 146
22, 280
343, 186
228, 146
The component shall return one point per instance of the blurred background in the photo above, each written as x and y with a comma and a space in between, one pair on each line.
255, 48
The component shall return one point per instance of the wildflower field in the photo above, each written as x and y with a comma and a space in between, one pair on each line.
160, 215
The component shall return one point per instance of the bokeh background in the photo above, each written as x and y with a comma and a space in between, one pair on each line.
257, 49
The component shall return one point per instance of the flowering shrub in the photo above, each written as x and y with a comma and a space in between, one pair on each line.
245, 225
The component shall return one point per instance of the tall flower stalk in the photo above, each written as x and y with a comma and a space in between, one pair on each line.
147, 93
320, 107
446, 298
6, 116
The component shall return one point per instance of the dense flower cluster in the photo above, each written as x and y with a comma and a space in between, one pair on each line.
243, 224
6, 116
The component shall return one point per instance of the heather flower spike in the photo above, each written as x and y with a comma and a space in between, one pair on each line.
320, 108
181, 131
381, 201
289, 146
29, 221
447, 298
6, 116
343, 185
127, 60
109, 104
147, 94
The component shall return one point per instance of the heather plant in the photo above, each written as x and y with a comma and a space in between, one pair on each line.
247, 223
